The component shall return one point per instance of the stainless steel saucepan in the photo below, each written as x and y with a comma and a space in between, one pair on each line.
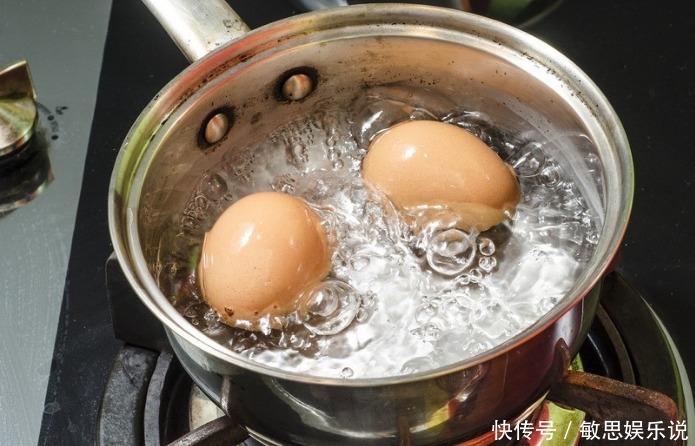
243, 84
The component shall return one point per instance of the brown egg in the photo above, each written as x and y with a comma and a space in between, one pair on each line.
435, 170
260, 255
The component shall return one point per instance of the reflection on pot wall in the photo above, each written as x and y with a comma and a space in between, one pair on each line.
24, 175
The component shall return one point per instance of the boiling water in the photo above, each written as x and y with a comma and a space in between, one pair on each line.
395, 303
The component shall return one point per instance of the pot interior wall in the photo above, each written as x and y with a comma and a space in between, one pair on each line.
520, 96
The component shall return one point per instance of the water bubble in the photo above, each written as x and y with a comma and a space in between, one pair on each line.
376, 118
547, 303
530, 160
329, 307
347, 372
420, 114
592, 237
295, 341
386, 106
212, 326
431, 333
428, 332
418, 364
213, 186
593, 162
297, 153
463, 281
551, 176
285, 183
358, 262
362, 315
202, 204
456, 313
450, 252
368, 300
487, 264
211, 317
486, 246
324, 303
331, 141
475, 275
265, 324
240, 163
539, 255
425, 313
477, 123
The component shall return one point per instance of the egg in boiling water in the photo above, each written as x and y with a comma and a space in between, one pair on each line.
261, 254
436, 170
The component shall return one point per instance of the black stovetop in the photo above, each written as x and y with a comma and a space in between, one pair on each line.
640, 55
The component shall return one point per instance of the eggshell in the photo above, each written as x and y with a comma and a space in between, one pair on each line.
436, 170
260, 255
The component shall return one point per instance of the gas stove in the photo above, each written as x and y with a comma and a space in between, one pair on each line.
61, 356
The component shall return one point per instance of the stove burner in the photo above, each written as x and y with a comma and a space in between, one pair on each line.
18, 113
147, 402
148, 397
25, 168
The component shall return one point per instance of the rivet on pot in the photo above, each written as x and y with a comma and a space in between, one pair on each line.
216, 128
298, 86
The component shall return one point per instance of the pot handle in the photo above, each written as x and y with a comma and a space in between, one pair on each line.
197, 27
